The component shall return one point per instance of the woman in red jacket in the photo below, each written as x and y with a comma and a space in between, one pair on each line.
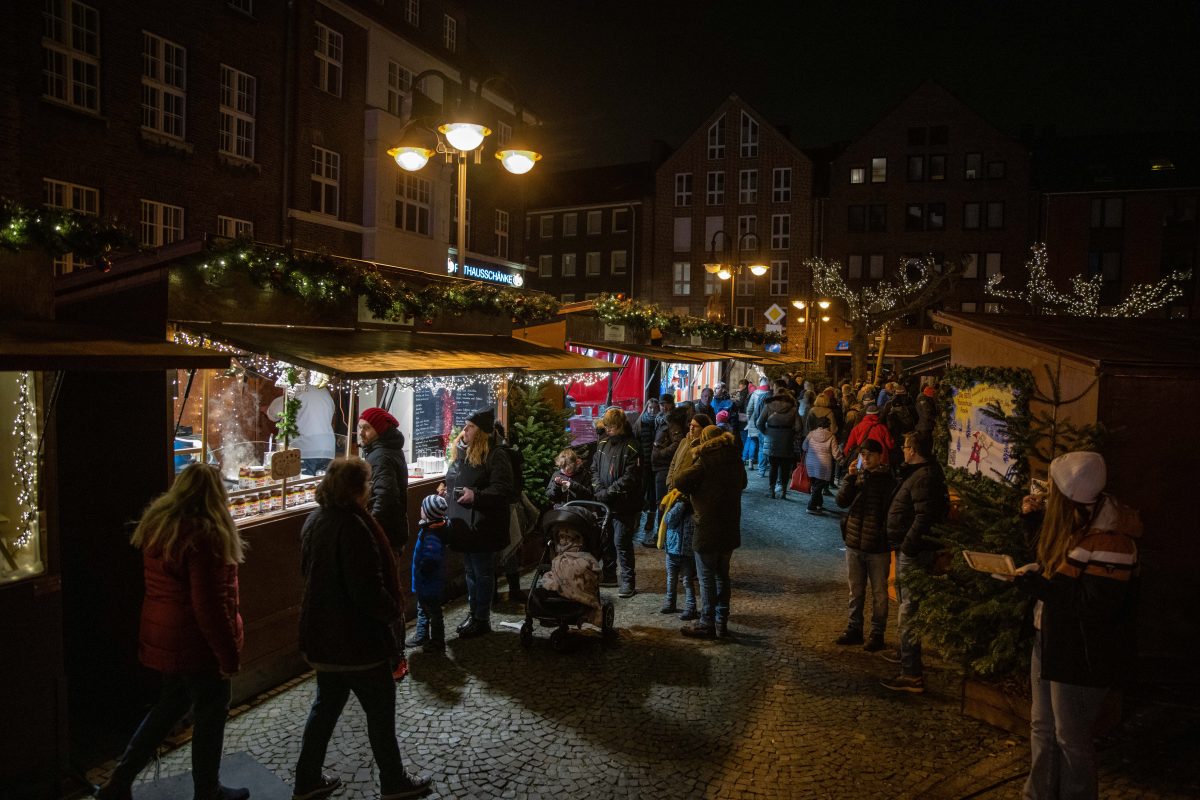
191, 630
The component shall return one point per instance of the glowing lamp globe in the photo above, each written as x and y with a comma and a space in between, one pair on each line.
411, 159
724, 274
824, 304
798, 304
464, 136
712, 268
759, 269
518, 162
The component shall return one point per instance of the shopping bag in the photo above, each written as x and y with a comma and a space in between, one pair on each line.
800, 481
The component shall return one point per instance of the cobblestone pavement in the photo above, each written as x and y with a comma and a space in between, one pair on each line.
778, 712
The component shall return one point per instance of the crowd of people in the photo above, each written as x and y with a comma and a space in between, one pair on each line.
671, 478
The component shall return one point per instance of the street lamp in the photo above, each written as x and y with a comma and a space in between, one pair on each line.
817, 309
731, 271
461, 134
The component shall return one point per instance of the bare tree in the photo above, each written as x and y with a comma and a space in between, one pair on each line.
872, 309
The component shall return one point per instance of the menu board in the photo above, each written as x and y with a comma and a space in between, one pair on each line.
437, 412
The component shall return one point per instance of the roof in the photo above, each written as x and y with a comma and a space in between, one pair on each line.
1100, 341
363, 354
1106, 163
754, 357
50, 345
596, 186
642, 351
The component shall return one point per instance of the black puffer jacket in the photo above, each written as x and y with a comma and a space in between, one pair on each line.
346, 612
868, 495
926, 415
488, 516
646, 432
666, 442
919, 502
389, 486
616, 474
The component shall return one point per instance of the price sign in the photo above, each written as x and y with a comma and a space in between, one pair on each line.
285, 463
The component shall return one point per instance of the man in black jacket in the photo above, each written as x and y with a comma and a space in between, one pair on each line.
867, 490
646, 430
617, 482
382, 446
919, 502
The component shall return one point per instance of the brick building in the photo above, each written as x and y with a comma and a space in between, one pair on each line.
931, 177
587, 231
738, 174
1122, 207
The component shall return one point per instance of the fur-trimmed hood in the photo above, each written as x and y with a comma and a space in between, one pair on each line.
712, 445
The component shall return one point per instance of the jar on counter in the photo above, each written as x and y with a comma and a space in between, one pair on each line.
237, 508
251, 500
258, 477
310, 493
276, 499
243, 477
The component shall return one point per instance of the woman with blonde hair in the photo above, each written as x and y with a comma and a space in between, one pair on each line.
191, 630
617, 482
1087, 560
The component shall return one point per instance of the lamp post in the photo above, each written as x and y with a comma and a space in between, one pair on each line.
462, 133
817, 309
731, 271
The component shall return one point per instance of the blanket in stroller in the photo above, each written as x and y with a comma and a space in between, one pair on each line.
575, 574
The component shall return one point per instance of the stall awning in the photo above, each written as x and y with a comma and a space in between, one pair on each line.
365, 354
762, 358
924, 364
642, 351
51, 345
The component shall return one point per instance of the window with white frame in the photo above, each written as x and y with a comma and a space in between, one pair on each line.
546, 226
748, 186
712, 284
970, 265
878, 170
591, 263
568, 264
399, 84
716, 138
749, 141
501, 233
681, 283
85, 199
992, 264
854, 265
748, 224
412, 12
618, 262
745, 287
161, 223
570, 224
712, 224
546, 265
715, 193
683, 189
781, 185
620, 220
781, 231
875, 265
326, 174
71, 53
858, 175
595, 221
683, 234
503, 133
414, 204
328, 50
779, 277
450, 33
164, 85
234, 228
744, 316
238, 102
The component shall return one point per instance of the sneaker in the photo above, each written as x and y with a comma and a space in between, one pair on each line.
417, 787
668, 608
890, 655
477, 627
816, 512
434, 646
689, 614
401, 670
466, 623
417, 639
849, 637
325, 787
627, 592
723, 631
905, 683
874, 644
699, 631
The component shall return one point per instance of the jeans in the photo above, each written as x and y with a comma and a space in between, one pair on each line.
207, 695
376, 693
750, 449
681, 568
713, 572
311, 466
481, 582
781, 473
862, 567
764, 455
429, 618
649, 504
910, 643
1061, 743
511, 567
816, 495
622, 543
660, 491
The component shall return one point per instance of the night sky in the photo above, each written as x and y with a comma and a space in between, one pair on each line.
610, 77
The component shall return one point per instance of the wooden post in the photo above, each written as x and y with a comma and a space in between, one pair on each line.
883, 337
351, 420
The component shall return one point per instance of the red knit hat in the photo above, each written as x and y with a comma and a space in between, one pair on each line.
379, 419
929, 391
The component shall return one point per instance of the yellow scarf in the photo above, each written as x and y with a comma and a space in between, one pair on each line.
669, 499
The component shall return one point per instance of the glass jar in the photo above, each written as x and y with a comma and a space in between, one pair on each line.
276, 500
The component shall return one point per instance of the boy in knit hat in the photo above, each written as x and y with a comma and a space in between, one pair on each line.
429, 575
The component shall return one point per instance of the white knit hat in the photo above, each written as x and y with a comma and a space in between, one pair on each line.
1080, 476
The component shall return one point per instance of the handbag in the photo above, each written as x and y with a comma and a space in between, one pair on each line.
800, 480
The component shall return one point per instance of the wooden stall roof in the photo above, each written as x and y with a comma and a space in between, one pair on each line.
364, 354
51, 345
643, 351
1100, 341
766, 359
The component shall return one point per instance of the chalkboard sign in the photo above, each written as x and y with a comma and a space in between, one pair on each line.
437, 412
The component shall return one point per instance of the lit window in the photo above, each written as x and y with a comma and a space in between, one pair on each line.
970, 306
164, 85
682, 278
716, 138
59, 194
858, 175
781, 185
935, 217
326, 174
749, 142
328, 50
161, 223
71, 53
748, 186
568, 297
878, 170
237, 113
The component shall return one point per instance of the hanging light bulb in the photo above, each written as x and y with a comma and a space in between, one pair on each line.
518, 162
799, 304
724, 273
464, 136
411, 159
759, 269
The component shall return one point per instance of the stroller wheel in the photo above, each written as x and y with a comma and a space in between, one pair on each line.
558, 640
527, 634
608, 622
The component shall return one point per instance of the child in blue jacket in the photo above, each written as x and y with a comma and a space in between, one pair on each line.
429, 575
680, 523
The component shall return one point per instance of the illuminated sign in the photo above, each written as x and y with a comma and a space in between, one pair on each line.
843, 344
487, 274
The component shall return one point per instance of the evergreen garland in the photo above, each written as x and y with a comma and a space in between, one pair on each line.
286, 425
540, 433
59, 231
620, 310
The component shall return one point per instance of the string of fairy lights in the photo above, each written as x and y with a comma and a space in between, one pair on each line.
25, 460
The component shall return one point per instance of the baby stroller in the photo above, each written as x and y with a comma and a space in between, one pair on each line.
551, 609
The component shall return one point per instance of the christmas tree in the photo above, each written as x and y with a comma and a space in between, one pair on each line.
540, 432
